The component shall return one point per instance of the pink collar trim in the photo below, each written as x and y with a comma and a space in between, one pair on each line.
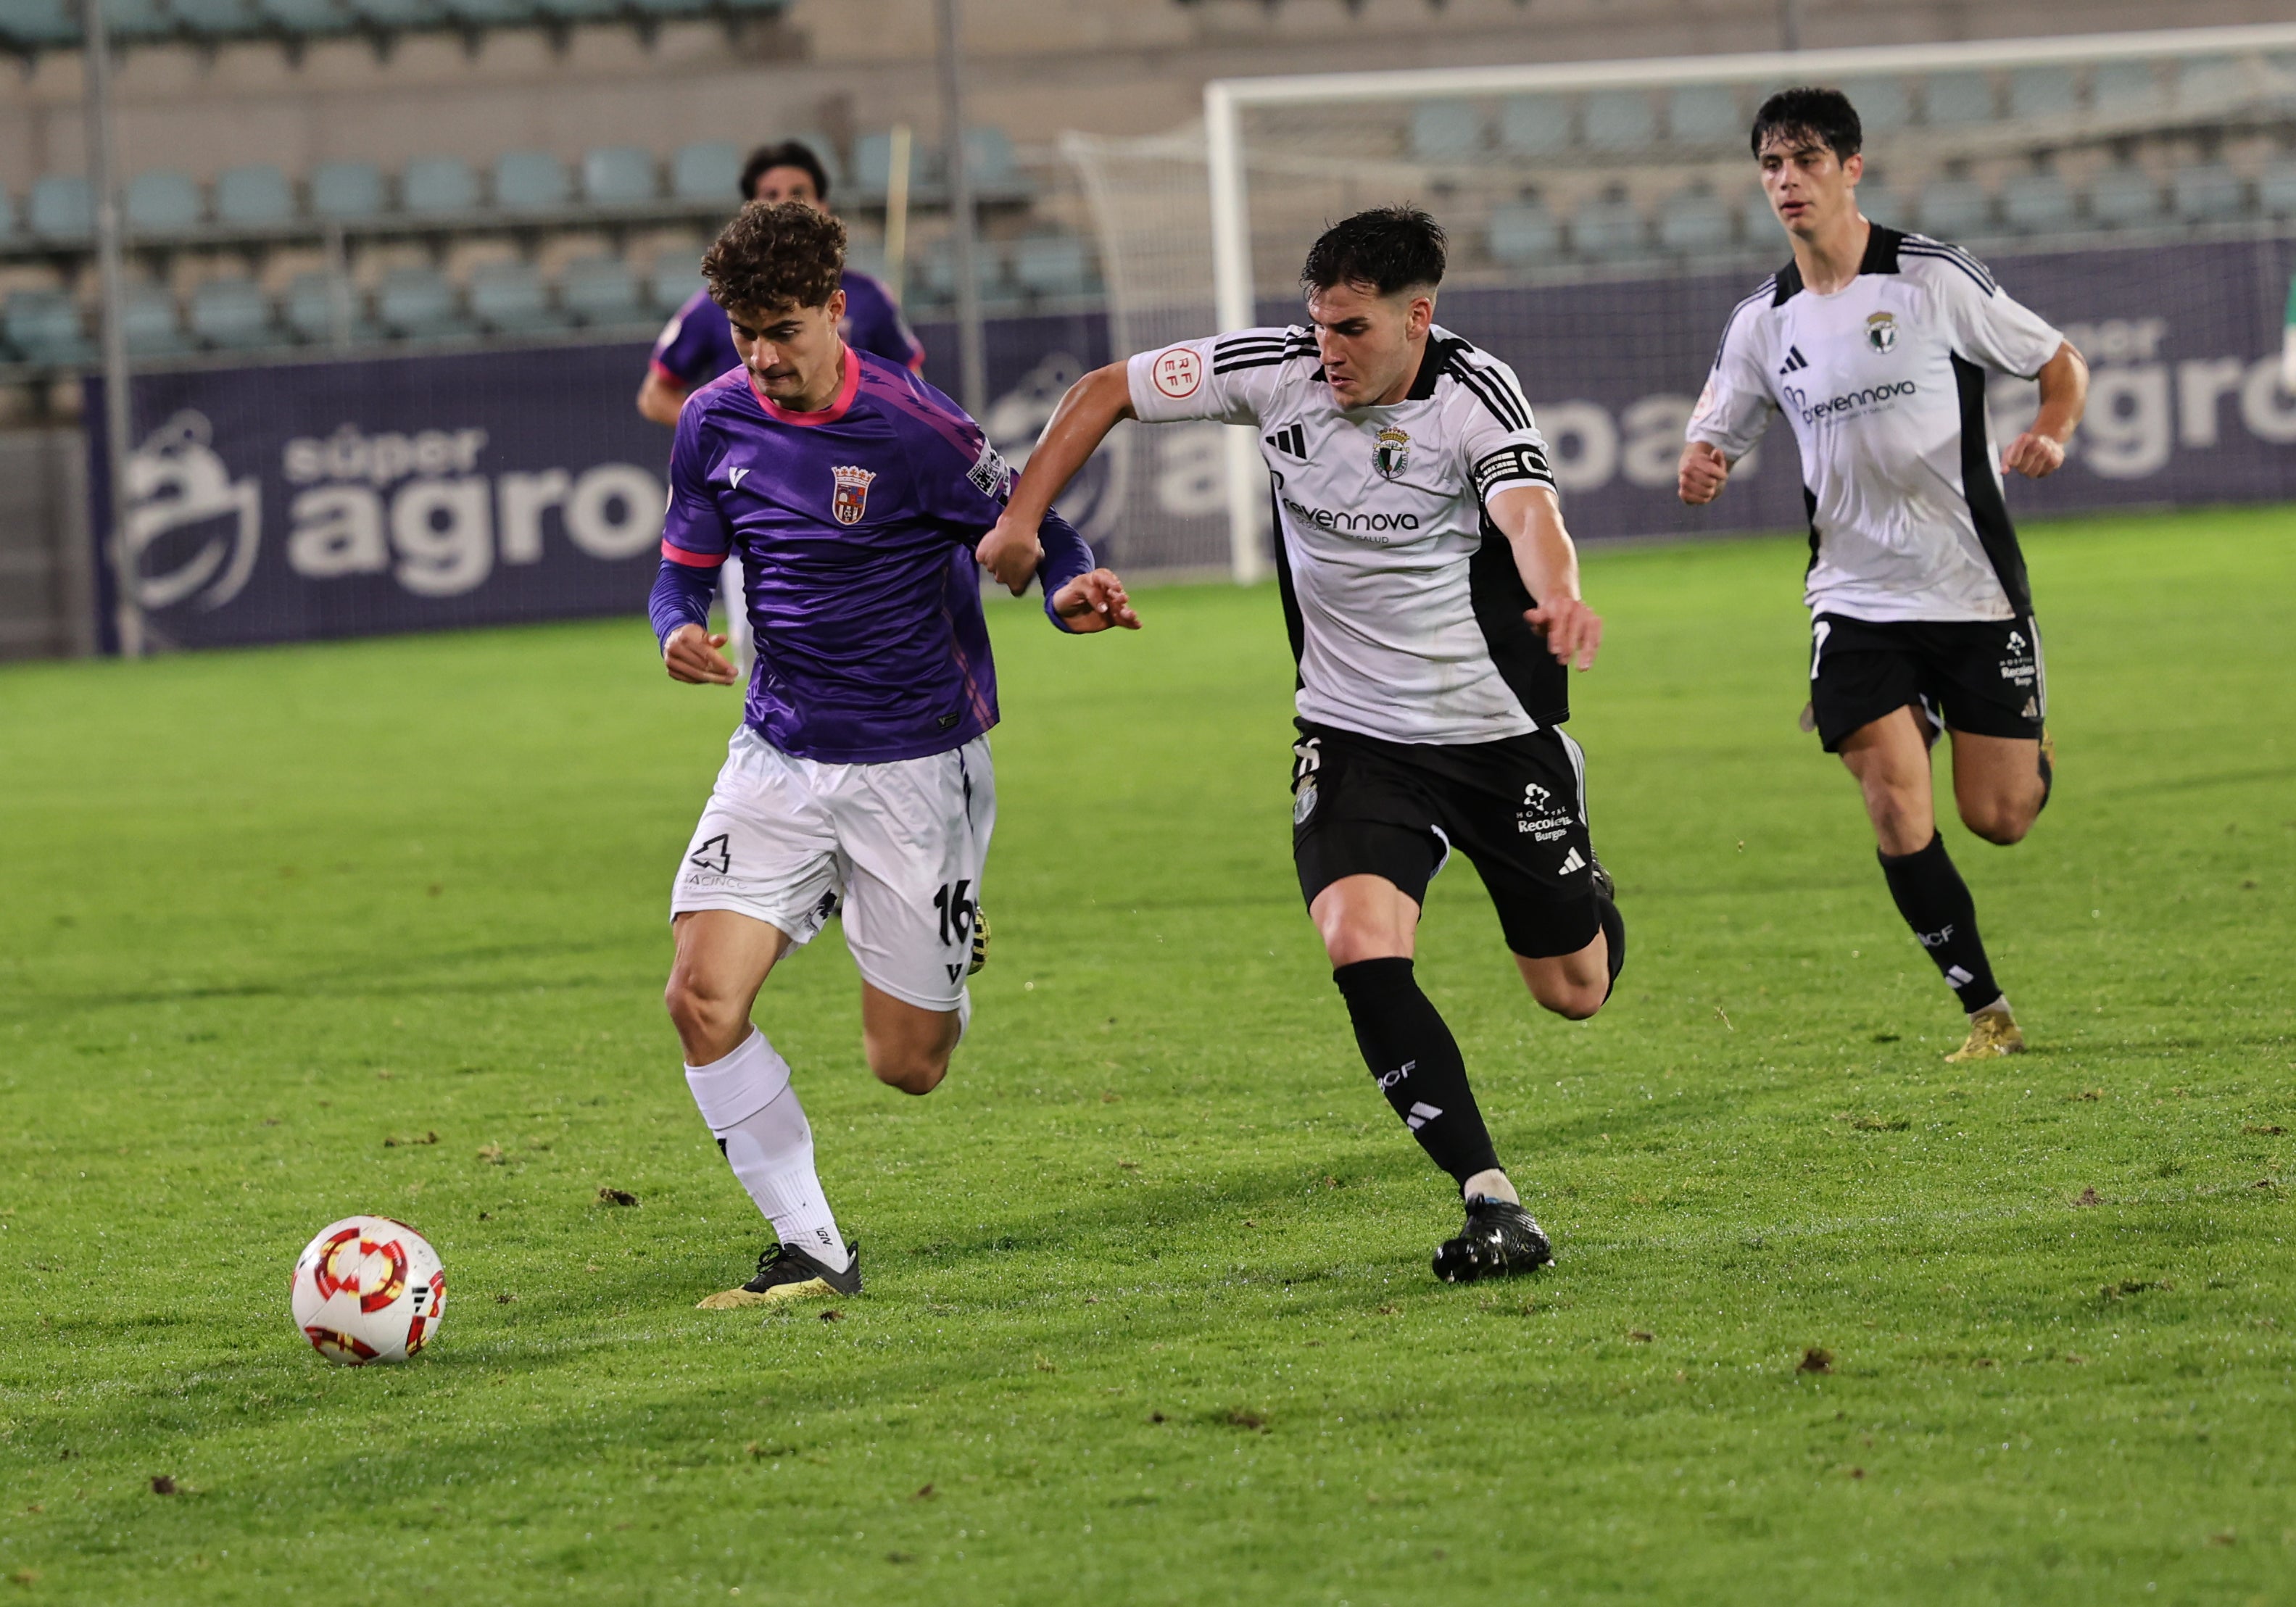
829, 414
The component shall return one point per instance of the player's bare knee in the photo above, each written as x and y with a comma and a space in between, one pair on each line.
2000, 825
701, 1017
912, 1071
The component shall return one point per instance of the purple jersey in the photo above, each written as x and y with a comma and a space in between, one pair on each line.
695, 347
855, 525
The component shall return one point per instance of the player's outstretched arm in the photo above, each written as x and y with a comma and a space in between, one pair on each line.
2064, 395
1702, 474
1530, 517
1094, 405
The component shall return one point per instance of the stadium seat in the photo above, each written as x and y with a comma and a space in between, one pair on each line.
1535, 125
991, 164
1759, 225
148, 322
309, 17
824, 151
872, 165
1051, 266
1608, 229
710, 171
601, 292
1953, 208
2210, 84
316, 301
508, 298
432, 186
164, 203
44, 326
1705, 114
396, 15
7, 215
2043, 91
232, 314
1621, 120
2276, 188
579, 11
347, 192
1694, 223
254, 197
130, 20
618, 176
2037, 203
1523, 232
490, 13
1952, 100
1883, 104
2123, 198
39, 24
214, 18
672, 281
60, 209
1876, 199
1446, 131
2124, 88
2211, 192
530, 181
418, 304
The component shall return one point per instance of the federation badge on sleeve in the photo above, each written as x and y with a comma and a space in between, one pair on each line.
852, 498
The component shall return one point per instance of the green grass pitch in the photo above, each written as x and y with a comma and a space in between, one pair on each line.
379, 926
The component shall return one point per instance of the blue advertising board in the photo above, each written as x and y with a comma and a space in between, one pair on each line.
330, 498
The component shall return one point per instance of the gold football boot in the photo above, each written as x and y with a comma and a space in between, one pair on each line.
1991, 1032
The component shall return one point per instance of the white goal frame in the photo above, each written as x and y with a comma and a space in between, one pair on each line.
1225, 99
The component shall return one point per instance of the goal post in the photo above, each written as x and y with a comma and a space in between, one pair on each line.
1641, 166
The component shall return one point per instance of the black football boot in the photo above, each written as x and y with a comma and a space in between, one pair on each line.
1499, 1240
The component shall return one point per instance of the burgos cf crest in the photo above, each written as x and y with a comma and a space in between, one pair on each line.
852, 498
1391, 454
1881, 331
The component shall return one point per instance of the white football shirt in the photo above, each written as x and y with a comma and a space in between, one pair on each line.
1403, 600
1883, 382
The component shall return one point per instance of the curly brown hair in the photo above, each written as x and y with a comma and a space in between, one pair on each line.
774, 256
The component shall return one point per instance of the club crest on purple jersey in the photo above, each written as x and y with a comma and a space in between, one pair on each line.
852, 498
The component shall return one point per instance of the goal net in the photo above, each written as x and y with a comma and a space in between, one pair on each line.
2139, 191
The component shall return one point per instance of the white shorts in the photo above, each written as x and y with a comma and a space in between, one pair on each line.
899, 846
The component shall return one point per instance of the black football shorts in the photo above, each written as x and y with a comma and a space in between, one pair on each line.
1516, 808
1984, 676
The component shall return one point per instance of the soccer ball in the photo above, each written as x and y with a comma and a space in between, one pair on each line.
368, 1290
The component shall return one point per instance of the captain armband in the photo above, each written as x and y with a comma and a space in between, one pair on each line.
1516, 461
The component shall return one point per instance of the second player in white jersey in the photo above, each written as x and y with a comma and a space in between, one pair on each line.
1876, 345
1403, 629
1883, 382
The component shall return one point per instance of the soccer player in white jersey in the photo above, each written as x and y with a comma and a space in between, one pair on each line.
1432, 598
1876, 346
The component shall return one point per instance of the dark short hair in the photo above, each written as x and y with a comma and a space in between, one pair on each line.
1386, 250
777, 255
1823, 115
787, 153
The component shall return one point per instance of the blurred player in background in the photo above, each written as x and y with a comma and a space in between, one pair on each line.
1432, 598
695, 345
856, 494
1876, 345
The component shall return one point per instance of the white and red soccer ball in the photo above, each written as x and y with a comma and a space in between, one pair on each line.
368, 1290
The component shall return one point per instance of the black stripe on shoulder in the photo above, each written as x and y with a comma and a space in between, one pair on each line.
1785, 284
1938, 251
1229, 348
1765, 296
1257, 359
1881, 244
1494, 393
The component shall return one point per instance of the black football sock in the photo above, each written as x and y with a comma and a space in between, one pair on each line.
1416, 1064
1614, 929
1936, 904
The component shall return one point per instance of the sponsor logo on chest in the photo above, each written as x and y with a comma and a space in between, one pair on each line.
851, 498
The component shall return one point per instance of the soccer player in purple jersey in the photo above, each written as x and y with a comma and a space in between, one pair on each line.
696, 345
857, 496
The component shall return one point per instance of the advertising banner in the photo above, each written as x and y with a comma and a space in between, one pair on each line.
316, 499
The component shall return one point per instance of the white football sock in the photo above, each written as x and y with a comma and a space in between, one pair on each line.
1491, 1184
747, 1100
